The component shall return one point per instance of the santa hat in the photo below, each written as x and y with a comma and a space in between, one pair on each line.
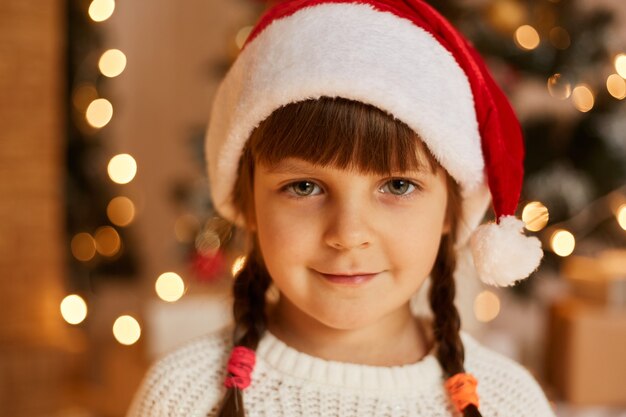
406, 59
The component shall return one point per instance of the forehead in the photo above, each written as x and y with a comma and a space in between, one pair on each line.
297, 166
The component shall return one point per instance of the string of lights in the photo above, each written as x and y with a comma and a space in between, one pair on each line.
98, 112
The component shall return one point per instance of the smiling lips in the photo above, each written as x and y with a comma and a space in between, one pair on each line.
356, 278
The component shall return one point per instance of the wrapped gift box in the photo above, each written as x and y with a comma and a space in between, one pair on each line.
600, 279
586, 358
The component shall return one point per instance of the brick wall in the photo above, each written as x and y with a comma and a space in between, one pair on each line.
34, 342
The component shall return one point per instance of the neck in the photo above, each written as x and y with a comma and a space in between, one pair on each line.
394, 340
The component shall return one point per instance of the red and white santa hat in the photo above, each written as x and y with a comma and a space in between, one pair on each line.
403, 57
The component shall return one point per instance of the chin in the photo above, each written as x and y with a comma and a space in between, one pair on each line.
352, 322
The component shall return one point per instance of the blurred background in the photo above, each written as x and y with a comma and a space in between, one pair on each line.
110, 251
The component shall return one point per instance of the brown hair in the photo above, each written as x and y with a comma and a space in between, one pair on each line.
343, 134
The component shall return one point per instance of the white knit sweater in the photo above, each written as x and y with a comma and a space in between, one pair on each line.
286, 383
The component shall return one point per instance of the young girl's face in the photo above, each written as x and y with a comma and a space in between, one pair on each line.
312, 220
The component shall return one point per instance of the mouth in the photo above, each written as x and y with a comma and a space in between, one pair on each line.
349, 279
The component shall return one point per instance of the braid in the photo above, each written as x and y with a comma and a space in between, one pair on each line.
447, 323
249, 302
249, 291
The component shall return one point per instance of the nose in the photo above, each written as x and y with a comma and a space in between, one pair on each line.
348, 226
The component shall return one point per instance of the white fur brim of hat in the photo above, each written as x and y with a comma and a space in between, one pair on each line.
336, 50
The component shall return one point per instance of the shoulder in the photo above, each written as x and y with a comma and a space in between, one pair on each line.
185, 379
505, 387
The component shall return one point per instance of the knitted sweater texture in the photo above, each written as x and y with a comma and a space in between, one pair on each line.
188, 382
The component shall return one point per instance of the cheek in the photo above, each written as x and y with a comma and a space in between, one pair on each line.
285, 238
415, 241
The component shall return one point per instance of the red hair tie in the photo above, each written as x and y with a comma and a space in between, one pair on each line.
240, 366
462, 389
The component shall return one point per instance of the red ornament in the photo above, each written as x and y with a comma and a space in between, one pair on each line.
208, 267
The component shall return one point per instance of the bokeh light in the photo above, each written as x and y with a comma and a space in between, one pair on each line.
238, 265
122, 168
486, 306
112, 63
126, 330
121, 211
169, 287
535, 216
83, 246
559, 87
620, 65
621, 216
208, 242
108, 241
99, 112
506, 15
616, 86
562, 242
73, 309
583, 98
527, 37
101, 10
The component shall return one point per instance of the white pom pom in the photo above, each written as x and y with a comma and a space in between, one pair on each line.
503, 254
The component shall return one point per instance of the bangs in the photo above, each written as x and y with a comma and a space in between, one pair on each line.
342, 134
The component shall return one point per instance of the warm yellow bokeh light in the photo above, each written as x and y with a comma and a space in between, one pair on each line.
208, 242
169, 287
83, 247
506, 15
486, 306
621, 216
122, 168
121, 211
535, 216
238, 265
562, 242
112, 63
101, 10
620, 65
99, 112
616, 86
527, 37
73, 309
559, 87
108, 241
126, 330
583, 98
242, 35
83, 95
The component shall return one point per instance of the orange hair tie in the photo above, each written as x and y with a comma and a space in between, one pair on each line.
462, 389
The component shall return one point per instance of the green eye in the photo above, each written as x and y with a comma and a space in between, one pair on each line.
400, 186
302, 188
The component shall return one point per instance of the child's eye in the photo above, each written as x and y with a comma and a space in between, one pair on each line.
399, 187
300, 188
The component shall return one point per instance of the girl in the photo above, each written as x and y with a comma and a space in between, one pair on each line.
358, 144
